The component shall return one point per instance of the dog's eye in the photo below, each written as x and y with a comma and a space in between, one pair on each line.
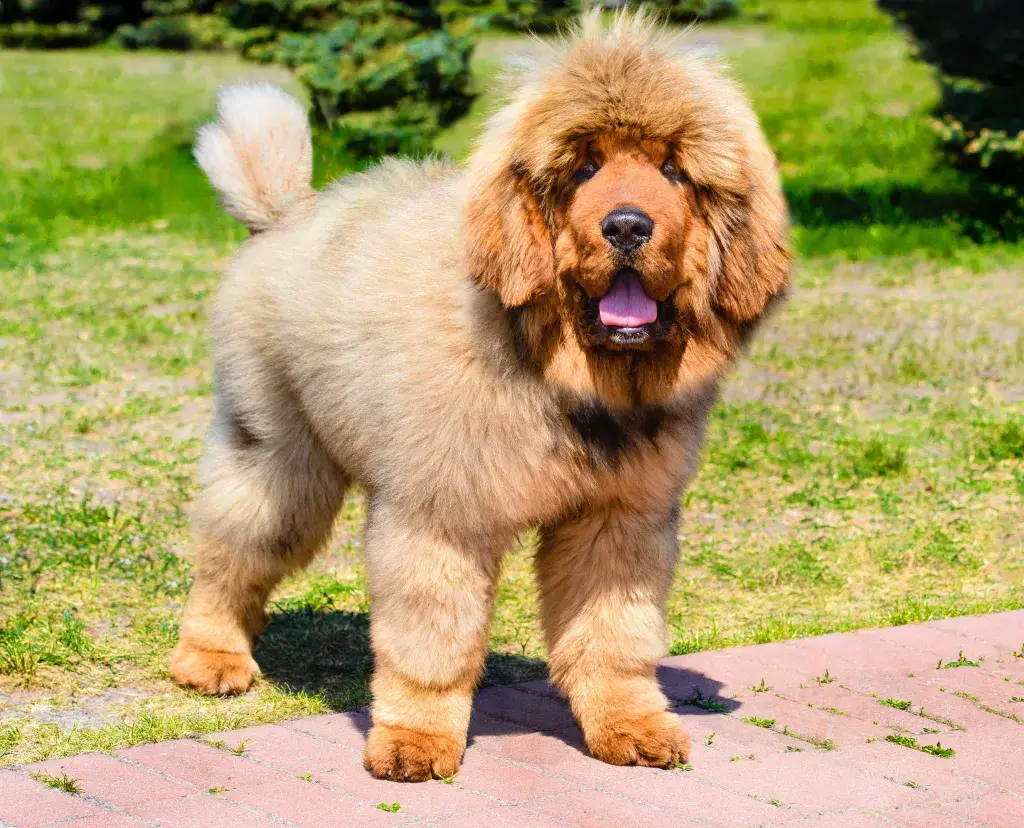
671, 172
585, 172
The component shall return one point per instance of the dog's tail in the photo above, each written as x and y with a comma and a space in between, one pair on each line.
258, 154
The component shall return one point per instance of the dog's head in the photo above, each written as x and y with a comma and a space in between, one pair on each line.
625, 207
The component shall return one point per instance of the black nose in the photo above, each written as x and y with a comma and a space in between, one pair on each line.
627, 228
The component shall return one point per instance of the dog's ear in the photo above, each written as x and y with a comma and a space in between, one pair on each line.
757, 259
508, 241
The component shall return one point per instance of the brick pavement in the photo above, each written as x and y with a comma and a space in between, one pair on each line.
776, 742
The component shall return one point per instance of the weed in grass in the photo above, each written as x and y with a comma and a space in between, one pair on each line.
876, 458
910, 742
896, 703
757, 721
62, 783
393, 808
826, 678
959, 662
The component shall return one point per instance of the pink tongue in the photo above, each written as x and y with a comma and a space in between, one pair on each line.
626, 305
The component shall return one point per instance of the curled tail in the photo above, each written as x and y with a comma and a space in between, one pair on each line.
258, 154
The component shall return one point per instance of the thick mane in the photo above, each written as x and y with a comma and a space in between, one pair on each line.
632, 75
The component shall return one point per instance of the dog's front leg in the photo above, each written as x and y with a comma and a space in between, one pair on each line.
431, 606
604, 578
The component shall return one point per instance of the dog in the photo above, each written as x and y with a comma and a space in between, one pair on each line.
532, 340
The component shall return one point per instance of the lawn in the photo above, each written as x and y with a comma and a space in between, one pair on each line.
866, 466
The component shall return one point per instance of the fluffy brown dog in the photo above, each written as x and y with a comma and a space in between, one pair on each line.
533, 341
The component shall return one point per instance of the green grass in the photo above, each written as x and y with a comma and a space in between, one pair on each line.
61, 783
865, 467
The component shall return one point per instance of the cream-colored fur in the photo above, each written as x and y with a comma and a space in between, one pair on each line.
370, 333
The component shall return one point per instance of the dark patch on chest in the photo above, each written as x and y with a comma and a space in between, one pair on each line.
606, 435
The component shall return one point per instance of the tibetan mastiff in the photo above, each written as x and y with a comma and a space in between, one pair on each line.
532, 340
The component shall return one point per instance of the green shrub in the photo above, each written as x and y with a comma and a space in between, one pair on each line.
687, 10
978, 50
61, 24
384, 76
180, 32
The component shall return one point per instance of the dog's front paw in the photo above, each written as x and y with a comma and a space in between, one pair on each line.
213, 673
656, 740
408, 756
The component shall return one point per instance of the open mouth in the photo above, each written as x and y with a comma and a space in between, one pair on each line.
626, 317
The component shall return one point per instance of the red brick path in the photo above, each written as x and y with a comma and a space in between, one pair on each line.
798, 749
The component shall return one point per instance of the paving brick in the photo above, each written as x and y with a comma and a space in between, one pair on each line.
930, 817
527, 765
113, 782
936, 777
594, 809
553, 754
944, 644
866, 652
1000, 811
107, 820
816, 783
484, 729
486, 774
500, 816
861, 706
28, 803
290, 750
202, 811
201, 765
1004, 630
684, 795
845, 820
540, 687
348, 729
732, 737
992, 754
725, 674
423, 800
810, 722
311, 806
930, 698
537, 712
989, 689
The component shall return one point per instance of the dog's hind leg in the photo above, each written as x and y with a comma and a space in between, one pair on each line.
604, 577
265, 508
431, 606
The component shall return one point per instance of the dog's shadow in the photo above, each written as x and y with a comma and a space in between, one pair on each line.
327, 654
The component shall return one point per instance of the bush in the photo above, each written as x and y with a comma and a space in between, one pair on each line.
62, 24
384, 76
687, 10
978, 50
